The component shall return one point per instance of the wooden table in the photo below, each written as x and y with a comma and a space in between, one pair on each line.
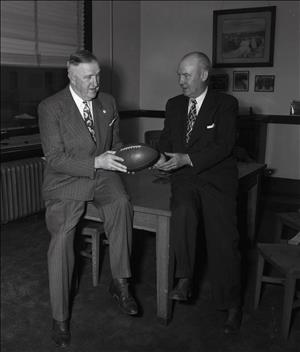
250, 181
150, 196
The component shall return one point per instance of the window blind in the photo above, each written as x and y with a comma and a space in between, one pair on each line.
40, 33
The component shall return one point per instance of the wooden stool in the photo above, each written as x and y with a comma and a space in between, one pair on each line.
286, 259
92, 231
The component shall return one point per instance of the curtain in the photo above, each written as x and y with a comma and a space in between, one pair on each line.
40, 33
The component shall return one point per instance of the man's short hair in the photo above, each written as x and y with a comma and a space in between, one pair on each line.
204, 60
81, 56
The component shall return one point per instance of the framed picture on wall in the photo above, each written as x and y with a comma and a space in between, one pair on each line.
244, 37
219, 81
264, 83
240, 81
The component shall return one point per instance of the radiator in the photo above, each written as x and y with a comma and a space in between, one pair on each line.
21, 183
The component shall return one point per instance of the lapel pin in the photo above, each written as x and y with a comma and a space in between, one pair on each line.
111, 122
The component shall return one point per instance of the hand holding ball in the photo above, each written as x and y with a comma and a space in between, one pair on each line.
138, 156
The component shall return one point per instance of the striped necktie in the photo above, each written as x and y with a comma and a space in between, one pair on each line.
87, 118
191, 120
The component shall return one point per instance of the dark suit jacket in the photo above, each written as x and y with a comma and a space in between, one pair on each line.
68, 146
211, 141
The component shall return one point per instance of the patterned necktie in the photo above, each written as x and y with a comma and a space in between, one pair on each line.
191, 120
87, 117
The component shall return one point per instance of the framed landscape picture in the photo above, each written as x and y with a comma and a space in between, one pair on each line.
240, 81
244, 37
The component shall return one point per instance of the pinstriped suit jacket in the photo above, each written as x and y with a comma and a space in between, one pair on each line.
68, 146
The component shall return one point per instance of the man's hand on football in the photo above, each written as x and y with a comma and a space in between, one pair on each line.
162, 159
175, 161
110, 161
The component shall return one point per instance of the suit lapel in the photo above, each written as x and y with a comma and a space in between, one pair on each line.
101, 124
73, 118
183, 114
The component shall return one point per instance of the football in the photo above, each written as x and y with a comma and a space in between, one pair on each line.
138, 156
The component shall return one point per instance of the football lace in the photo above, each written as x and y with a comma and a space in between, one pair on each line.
131, 147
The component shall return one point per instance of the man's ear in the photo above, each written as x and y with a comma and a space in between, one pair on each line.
70, 75
204, 75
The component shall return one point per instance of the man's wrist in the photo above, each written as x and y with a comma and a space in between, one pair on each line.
96, 163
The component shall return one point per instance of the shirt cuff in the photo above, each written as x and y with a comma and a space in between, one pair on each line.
189, 161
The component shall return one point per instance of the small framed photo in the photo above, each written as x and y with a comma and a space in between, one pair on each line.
240, 81
264, 83
219, 82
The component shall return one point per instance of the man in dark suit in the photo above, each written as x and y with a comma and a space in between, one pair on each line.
196, 145
79, 128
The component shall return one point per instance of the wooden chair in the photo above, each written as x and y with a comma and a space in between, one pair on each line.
290, 219
92, 232
286, 259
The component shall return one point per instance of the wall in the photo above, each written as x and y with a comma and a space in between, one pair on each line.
283, 150
184, 26
143, 42
102, 40
169, 29
116, 42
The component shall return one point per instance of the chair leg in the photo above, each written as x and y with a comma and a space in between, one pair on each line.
259, 274
289, 292
95, 258
278, 230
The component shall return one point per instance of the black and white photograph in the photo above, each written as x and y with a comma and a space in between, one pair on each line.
240, 81
150, 176
264, 83
219, 81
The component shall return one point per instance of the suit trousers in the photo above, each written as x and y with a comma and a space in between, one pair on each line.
62, 217
191, 206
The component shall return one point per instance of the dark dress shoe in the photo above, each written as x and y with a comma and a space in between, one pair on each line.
234, 320
61, 333
119, 289
182, 291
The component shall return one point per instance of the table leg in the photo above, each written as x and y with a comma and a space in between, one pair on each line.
164, 271
252, 209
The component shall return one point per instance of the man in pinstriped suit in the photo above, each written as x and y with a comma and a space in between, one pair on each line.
81, 166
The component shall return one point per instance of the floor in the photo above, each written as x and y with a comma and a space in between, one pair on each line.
97, 324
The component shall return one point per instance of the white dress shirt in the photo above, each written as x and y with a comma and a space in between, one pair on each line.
79, 102
199, 101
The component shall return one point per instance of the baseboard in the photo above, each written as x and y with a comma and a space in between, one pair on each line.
277, 186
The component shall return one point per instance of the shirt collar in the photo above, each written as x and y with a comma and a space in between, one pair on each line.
200, 98
78, 100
